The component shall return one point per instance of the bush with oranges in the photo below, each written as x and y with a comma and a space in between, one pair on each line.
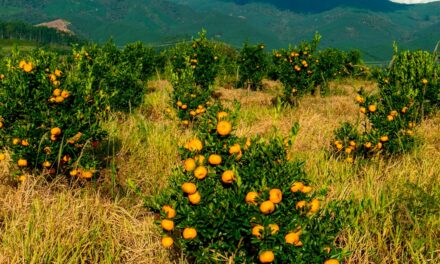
407, 91
253, 65
296, 68
47, 123
241, 200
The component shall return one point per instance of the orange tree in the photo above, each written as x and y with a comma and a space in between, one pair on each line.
194, 71
407, 90
241, 199
253, 63
296, 68
109, 75
48, 123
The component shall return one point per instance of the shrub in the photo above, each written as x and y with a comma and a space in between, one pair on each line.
202, 58
242, 200
142, 61
48, 123
297, 69
190, 100
113, 81
407, 89
193, 76
253, 63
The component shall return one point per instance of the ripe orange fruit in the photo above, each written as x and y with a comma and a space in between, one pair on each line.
275, 196
189, 188
224, 128
22, 163
297, 186
179, 103
56, 131
171, 213
59, 99
274, 228
2, 156
292, 238
384, 138
15, 141
167, 242
390, 118
65, 94
367, 145
359, 99
215, 159
57, 72
228, 177
247, 144
372, 108
221, 115
267, 207
234, 149
200, 173
404, 110
73, 173
257, 230
28, 67
184, 107
394, 113
298, 244
193, 113
56, 92
306, 189
348, 150
301, 204
24, 143
185, 122
189, 233
411, 125
363, 110
86, 174
331, 261
167, 224
194, 198
267, 257
251, 198
379, 145
425, 81
21, 64
47, 164
200, 159
194, 145
189, 164
314, 205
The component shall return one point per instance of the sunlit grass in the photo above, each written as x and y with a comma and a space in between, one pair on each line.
394, 203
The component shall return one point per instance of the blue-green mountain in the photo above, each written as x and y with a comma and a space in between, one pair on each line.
368, 25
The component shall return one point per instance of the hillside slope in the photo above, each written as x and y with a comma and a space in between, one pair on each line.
371, 26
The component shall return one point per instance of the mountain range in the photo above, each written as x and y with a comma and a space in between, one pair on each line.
368, 25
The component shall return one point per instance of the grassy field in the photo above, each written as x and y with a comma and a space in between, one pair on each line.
395, 203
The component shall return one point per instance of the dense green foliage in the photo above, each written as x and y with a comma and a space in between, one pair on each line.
254, 63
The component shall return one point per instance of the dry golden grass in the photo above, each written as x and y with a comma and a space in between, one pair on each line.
395, 202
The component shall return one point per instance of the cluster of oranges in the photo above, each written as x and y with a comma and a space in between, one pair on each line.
201, 109
58, 95
201, 167
26, 66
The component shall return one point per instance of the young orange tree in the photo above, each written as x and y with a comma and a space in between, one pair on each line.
253, 65
296, 68
48, 124
241, 199
408, 89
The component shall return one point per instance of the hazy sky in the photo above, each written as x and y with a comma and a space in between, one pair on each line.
413, 1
